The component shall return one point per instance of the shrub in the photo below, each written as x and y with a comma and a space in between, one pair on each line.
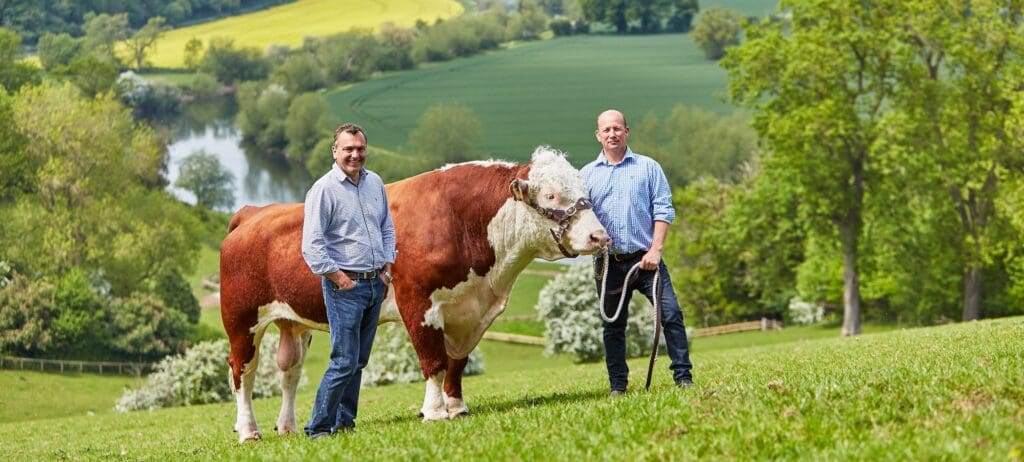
175, 293
142, 329
568, 305
148, 98
802, 312
561, 26
199, 376
204, 86
26, 309
394, 360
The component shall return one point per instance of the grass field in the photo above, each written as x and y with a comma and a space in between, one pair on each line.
953, 392
545, 92
288, 24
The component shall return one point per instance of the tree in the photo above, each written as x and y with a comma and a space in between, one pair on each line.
309, 122
957, 95
299, 73
102, 32
143, 39
447, 132
230, 64
821, 119
57, 50
202, 174
691, 143
682, 15
608, 11
14, 73
717, 29
99, 204
193, 53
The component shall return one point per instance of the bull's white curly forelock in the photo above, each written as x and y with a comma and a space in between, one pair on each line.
549, 166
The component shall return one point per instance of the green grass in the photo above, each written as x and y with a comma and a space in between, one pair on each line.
29, 395
546, 92
290, 23
953, 392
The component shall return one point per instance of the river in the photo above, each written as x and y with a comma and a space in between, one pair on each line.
210, 127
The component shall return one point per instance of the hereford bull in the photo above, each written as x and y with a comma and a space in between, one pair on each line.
463, 232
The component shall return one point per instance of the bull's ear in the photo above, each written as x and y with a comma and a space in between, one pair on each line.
520, 190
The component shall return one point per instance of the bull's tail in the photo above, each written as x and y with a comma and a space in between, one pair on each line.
241, 215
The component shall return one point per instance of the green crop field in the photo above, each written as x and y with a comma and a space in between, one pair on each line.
952, 392
546, 92
288, 24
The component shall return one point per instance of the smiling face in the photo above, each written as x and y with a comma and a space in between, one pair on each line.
350, 153
612, 133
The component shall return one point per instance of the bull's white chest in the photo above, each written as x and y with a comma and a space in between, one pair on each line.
464, 312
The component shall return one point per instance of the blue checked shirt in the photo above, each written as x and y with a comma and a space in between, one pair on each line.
345, 226
628, 198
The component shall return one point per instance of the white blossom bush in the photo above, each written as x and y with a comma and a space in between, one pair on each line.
199, 376
803, 312
393, 359
568, 305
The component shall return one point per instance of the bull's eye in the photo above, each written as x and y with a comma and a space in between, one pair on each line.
550, 197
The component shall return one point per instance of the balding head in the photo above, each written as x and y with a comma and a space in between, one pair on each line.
612, 132
612, 115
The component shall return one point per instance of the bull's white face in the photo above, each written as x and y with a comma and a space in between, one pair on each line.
555, 184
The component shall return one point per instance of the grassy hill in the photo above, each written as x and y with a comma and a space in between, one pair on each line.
545, 92
953, 392
288, 24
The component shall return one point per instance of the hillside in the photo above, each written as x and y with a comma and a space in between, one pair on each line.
951, 392
545, 92
290, 23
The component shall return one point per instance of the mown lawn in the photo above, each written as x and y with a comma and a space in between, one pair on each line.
953, 392
290, 23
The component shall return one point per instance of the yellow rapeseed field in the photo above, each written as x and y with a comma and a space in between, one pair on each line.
287, 24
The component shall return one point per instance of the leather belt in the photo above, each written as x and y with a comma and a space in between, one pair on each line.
354, 275
620, 257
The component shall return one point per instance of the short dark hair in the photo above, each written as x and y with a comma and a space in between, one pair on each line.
348, 127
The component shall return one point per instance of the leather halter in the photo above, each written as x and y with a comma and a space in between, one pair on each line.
561, 217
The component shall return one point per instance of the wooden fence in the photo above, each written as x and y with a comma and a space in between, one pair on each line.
64, 366
763, 324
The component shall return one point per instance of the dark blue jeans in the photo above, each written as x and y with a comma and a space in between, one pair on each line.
615, 333
352, 316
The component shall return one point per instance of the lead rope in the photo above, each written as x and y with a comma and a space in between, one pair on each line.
622, 299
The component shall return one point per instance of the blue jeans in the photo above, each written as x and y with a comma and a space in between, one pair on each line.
615, 333
352, 316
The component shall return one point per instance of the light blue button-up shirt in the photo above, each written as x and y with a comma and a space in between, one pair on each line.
628, 198
347, 226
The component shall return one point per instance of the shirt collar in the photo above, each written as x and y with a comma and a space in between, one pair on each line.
342, 177
629, 155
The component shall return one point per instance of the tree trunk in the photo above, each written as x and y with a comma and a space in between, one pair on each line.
851, 295
849, 236
972, 293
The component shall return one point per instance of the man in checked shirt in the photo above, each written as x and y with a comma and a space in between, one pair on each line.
349, 239
633, 201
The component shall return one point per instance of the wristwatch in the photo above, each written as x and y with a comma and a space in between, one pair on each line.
387, 274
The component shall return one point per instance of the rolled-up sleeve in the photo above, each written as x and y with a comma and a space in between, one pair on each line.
387, 230
316, 218
661, 203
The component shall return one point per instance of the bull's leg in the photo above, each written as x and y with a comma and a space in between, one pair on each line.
291, 354
453, 388
243, 378
428, 340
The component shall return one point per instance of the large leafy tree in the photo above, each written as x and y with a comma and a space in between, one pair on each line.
143, 39
819, 86
203, 175
97, 203
954, 119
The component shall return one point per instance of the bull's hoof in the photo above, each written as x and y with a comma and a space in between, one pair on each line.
285, 429
464, 412
431, 415
245, 437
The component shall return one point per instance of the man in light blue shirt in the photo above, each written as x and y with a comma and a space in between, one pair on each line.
633, 200
348, 239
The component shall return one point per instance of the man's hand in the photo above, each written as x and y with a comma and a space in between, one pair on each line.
340, 279
650, 260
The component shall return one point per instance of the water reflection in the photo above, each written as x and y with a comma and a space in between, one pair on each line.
210, 126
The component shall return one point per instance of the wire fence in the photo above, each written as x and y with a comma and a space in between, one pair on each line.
68, 367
